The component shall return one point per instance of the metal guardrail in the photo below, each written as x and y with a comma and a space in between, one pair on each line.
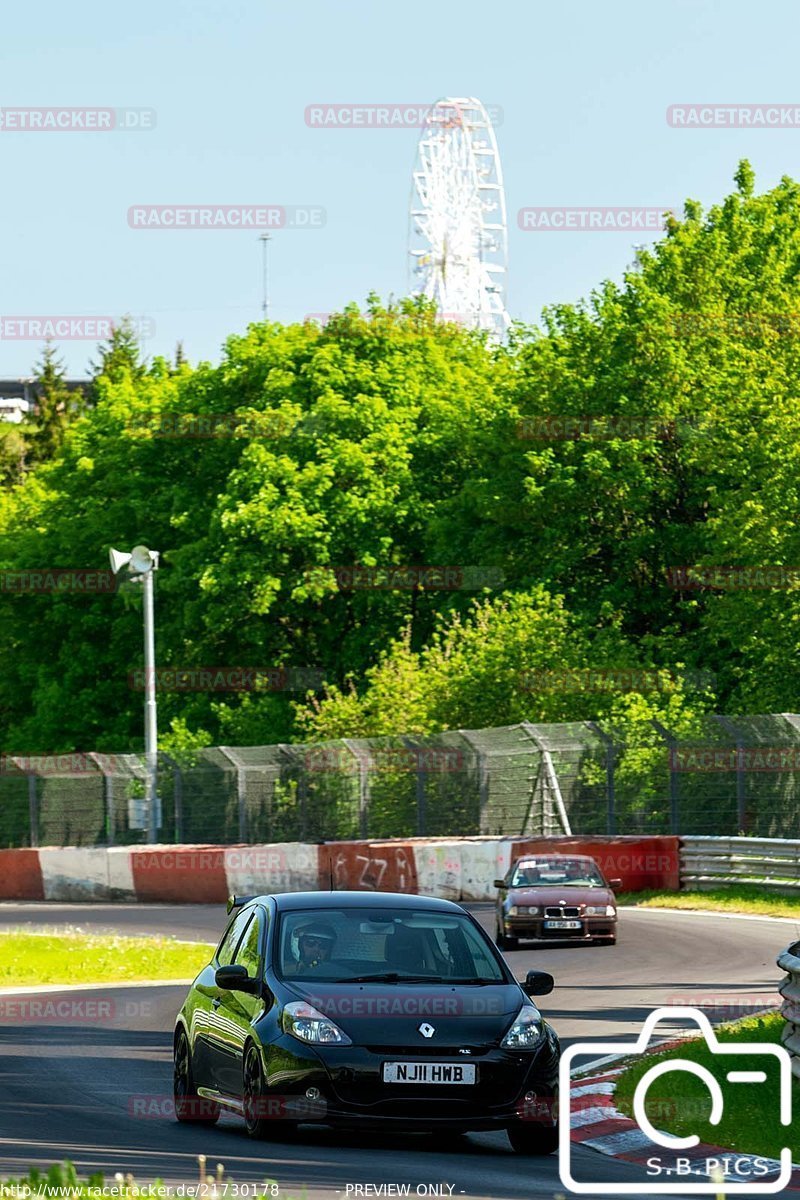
790, 1009
772, 863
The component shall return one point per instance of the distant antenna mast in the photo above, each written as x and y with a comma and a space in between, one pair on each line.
265, 240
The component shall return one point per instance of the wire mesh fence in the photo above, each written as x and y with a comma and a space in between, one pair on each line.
730, 776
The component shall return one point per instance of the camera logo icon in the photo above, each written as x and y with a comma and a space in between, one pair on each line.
679, 1179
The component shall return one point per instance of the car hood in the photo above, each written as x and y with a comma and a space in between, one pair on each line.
391, 1014
556, 896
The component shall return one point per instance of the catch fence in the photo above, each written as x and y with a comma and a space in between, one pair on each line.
729, 777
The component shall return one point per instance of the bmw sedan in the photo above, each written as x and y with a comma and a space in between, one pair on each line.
365, 1010
550, 897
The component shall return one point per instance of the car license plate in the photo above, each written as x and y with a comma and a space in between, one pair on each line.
562, 925
428, 1072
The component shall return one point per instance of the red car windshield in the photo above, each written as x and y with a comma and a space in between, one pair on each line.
559, 873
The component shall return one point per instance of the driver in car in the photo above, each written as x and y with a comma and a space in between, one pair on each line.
315, 945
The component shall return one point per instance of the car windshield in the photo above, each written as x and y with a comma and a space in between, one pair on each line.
566, 872
384, 945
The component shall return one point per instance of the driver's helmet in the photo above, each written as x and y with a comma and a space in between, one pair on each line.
320, 931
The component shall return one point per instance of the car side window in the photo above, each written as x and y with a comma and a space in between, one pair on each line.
248, 953
230, 939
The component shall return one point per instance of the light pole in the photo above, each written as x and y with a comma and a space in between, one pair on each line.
265, 239
141, 563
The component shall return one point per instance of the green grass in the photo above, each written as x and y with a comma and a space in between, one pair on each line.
680, 1103
739, 898
28, 958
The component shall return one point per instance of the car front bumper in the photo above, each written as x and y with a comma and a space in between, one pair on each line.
591, 929
511, 1086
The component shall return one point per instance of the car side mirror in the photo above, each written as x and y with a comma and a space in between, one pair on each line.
614, 884
500, 883
538, 983
234, 978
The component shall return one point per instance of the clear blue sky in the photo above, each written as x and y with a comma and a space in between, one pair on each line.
583, 87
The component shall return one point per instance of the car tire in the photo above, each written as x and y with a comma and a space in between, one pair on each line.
190, 1109
504, 941
256, 1123
533, 1139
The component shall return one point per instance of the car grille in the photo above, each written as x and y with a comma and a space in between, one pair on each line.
431, 1051
561, 912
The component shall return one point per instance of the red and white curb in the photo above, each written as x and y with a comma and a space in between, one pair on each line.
597, 1123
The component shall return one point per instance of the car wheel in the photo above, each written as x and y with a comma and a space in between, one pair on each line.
531, 1138
504, 941
189, 1107
258, 1122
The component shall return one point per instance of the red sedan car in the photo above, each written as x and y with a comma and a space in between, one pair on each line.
552, 897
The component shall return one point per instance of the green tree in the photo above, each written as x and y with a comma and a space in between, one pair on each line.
13, 453
304, 450
56, 405
521, 657
119, 355
681, 385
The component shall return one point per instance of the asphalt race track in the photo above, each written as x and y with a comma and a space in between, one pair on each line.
77, 1090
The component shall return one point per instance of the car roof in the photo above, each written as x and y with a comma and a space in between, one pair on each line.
289, 901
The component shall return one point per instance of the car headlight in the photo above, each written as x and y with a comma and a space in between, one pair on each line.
527, 1031
600, 910
521, 910
304, 1022
513, 911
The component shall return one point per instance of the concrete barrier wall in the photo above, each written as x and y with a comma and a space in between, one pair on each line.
453, 869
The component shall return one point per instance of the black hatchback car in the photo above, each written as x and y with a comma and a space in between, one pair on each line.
360, 1010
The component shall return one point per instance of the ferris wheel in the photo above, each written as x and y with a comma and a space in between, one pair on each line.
458, 243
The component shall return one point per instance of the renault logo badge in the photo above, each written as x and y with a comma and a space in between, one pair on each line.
427, 1030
